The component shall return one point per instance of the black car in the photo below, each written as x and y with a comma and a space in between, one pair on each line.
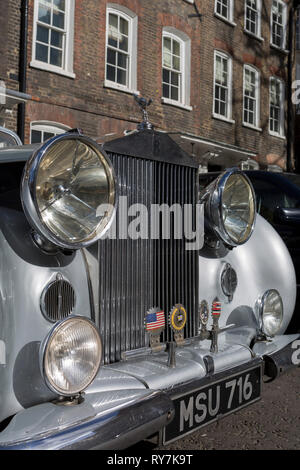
278, 201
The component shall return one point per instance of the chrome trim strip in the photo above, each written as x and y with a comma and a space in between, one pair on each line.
114, 430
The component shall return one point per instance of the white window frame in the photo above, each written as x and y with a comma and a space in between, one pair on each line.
55, 128
257, 34
281, 132
284, 25
132, 20
228, 116
255, 126
68, 47
185, 68
230, 18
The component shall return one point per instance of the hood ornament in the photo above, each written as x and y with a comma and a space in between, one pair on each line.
143, 104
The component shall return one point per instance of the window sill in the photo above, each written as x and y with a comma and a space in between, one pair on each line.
279, 136
222, 118
51, 68
252, 35
116, 86
226, 20
280, 49
254, 128
176, 104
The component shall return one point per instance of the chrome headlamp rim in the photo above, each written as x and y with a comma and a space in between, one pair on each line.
29, 199
215, 207
44, 346
260, 306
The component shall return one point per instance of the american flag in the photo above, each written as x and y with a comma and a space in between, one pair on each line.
155, 320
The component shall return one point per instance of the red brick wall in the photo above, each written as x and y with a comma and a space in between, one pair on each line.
84, 102
9, 50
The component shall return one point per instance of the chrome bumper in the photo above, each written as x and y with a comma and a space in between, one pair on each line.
126, 404
117, 429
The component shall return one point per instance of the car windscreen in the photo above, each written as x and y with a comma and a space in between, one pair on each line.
295, 179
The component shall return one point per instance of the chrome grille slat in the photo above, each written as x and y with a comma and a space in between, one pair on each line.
135, 275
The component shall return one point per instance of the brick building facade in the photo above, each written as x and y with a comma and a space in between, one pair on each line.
225, 87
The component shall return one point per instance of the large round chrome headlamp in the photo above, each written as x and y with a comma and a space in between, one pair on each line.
68, 191
270, 308
231, 207
71, 356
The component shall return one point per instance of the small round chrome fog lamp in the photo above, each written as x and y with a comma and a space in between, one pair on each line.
68, 191
270, 307
71, 356
230, 207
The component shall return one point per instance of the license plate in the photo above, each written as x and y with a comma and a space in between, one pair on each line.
208, 403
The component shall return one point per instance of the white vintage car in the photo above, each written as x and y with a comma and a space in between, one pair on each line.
108, 335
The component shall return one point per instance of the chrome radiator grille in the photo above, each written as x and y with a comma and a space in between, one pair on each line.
136, 275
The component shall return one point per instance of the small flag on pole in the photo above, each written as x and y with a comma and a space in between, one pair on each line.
155, 320
216, 308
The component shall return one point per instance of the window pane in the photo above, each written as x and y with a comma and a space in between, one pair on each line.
59, 4
110, 73
58, 20
223, 94
56, 39
223, 111
44, 14
122, 60
48, 135
113, 21
221, 70
111, 56
166, 76
166, 93
113, 34
56, 57
176, 48
174, 93
41, 53
176, 63
167, 45
276, 112
167, 59
121, 76
123, 43
36, 137
175, 78
124, 26
42, 34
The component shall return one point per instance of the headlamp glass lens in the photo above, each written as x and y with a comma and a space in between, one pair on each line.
72, 356
71, 184
238, 208
272, 312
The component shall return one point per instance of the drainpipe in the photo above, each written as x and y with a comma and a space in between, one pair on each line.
290, 110
23, 66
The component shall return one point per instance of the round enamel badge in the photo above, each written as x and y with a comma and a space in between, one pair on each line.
204, 312
178, 318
